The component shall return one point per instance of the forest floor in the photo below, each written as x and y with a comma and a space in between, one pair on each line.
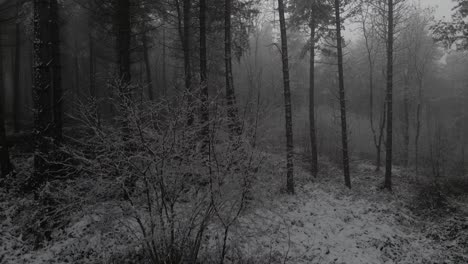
324, 222
328, 223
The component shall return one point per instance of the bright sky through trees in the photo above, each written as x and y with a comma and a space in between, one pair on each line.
443, 8
442, 11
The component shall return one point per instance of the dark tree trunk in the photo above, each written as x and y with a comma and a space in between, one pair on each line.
344, 129
378, 159
313, 136
54, 63
5, 165
187, 20
186, 44
92, 66
43, 90
124, 32
76, 72
92, 78
406, 121
418, 127
149, 80
287, 101
462, 161
122, 22
17, 102
187, 54
378, 141
230, 92
180, 26
389, 142
123, 40
164, 73
203, 75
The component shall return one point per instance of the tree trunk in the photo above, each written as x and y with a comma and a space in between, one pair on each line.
406, 121
122, 22
313, 136
418, 128
378, 160
124, 33
54, 63
389, 142
287, 100
230, 93
123, 40
203, 75
463, 167
377, 137
76, 72
5, 165
186, 45
164, 73
92, 66
43, 89
17, 101
371, 106
180, 26
188, 54
344, 130
149, 81
378, 142
92, 78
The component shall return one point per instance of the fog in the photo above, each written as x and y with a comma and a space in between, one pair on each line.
192, 108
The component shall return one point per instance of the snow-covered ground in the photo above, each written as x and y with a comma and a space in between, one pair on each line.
326, 223
323, 223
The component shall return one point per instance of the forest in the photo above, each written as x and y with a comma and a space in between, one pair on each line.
233, 131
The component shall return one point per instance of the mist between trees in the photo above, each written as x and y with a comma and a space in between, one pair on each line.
168, 105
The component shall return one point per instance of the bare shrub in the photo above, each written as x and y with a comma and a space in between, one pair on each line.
166, 178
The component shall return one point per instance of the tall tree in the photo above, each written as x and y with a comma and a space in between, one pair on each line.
123, 29
312, 130
316, 16
17, 77
406, 116
186, 43
146, 58
287, 100
342, 96
122, 20
5, 165
92, 64
93, 92
203, 73
420, 55
164, 71
372, 47
389, 99
47, 114
54, 63
230, 93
